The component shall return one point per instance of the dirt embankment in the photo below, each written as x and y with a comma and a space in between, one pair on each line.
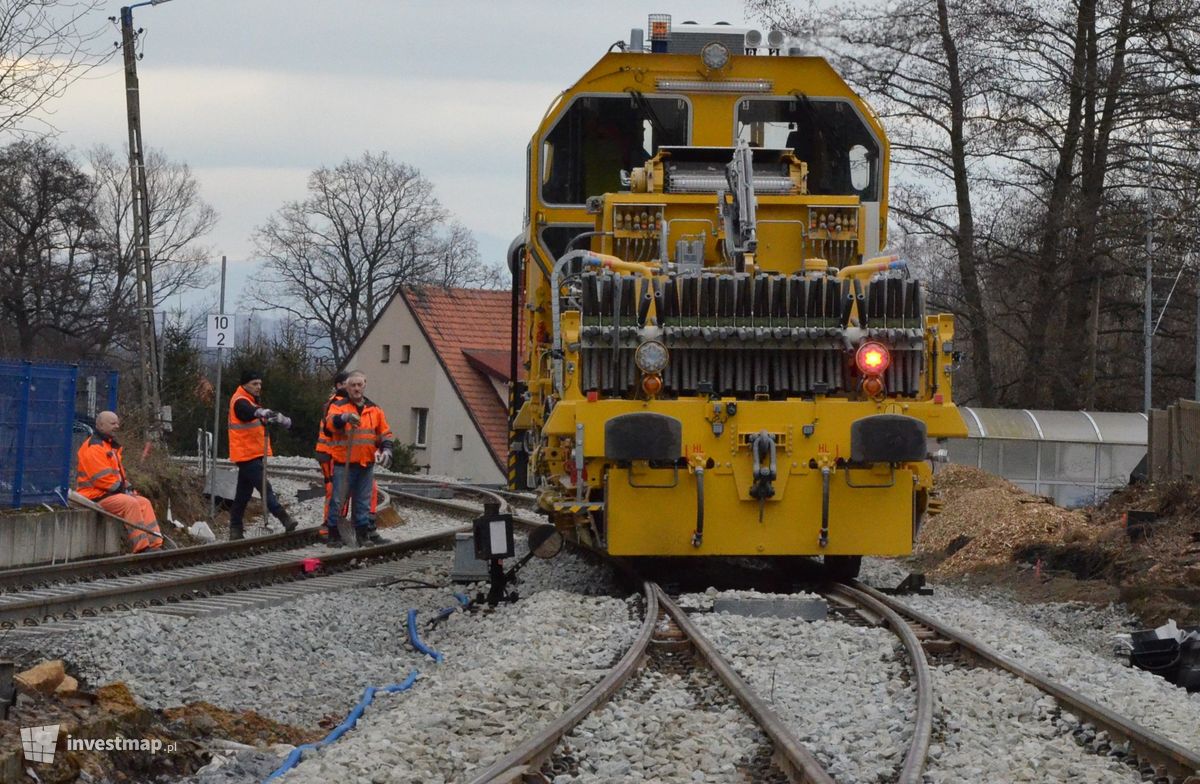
991, 530
184, 736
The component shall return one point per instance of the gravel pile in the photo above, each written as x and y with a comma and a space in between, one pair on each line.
1047, 640
811, 672
990, 726
506, 673
669, 724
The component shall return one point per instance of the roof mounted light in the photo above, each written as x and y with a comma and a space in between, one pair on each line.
754, 40
672, 84
659, 28
775, 39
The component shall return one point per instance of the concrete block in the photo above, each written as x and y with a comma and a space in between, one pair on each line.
29, 537
225, 480
773, 607
467, 568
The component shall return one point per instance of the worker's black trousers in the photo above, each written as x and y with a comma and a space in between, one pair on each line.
250, 477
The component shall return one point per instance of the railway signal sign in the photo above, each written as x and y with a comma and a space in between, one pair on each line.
220, 331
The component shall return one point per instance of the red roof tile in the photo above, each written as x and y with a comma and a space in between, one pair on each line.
490, 361
463, 325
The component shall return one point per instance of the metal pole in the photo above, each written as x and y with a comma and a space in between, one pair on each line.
147, 340
216, 431
1147, 327
1196, 392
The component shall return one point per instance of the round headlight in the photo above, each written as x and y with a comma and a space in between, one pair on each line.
651, 357
714, 55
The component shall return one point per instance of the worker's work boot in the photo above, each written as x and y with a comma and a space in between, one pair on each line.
373, 535
235, 533
360, 536
289, 524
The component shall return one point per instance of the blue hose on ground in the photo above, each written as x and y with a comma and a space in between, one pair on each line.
368, 697
415, 639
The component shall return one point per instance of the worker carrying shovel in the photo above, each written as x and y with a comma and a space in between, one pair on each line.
249, 447
361, 440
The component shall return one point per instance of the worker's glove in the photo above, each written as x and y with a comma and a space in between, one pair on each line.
383, 457
350, 419
283, 421
263, 413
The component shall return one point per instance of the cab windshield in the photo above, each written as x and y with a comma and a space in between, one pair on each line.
598, 137
828, 134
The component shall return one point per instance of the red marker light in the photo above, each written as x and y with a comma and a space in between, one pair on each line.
872, 359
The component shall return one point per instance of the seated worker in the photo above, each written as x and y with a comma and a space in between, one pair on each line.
101, 478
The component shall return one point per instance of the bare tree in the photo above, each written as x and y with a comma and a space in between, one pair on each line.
179, 221
921, 67
46, 45
48, 252
368, 226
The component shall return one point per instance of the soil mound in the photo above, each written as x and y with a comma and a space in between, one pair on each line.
988, 526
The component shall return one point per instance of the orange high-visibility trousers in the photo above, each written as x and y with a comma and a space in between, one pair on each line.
135, 509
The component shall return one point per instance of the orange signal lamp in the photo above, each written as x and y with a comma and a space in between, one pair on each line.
872, 359
651, 384
872, 386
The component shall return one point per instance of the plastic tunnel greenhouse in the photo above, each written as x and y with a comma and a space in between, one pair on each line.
1074, 457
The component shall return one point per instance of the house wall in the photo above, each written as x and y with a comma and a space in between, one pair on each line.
422, 383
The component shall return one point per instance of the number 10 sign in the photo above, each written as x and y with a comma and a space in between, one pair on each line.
220, 331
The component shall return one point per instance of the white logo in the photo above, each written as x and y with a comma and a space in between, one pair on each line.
38, 742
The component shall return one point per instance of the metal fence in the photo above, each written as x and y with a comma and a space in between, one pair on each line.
41, 404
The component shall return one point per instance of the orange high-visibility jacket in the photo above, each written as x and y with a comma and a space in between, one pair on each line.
99, 471
245, 436
372, 431
324, 434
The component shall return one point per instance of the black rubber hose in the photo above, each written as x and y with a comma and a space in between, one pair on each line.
824, 506
698, 537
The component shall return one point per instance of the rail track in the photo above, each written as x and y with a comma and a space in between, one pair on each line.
1156, 757
44, 595
36, 595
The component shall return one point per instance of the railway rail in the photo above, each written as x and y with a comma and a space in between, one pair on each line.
1158, 756
156, 589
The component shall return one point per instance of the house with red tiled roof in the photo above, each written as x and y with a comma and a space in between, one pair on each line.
437, 361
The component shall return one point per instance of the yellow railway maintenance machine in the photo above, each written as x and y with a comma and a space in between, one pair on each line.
718, 359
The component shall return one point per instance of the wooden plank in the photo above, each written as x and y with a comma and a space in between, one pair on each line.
1158, 446
1189, 415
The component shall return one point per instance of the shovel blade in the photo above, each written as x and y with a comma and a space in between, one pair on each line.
346, 532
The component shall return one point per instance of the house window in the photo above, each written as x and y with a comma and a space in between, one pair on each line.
387, 353
458, 443
420, 426
405, 354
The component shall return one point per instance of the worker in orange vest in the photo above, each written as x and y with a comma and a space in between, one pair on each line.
100, 477
248, 445
361, 440
324, 450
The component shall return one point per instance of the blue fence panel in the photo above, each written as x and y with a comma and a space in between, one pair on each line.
38, 411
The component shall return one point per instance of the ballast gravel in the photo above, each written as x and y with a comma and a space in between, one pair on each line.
1022, 634
506, 673
810, 672
667, 727
1020, 730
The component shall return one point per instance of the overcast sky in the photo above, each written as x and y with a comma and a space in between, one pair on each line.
255, 94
